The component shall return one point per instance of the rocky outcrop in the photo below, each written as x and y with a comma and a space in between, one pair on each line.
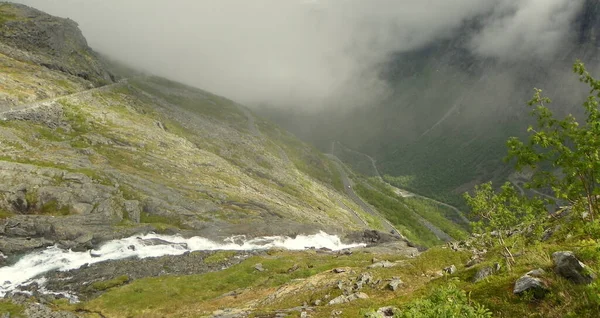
532, 283
33, 36
569, 267
346, 299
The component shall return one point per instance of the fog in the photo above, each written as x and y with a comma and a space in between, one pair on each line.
301, 53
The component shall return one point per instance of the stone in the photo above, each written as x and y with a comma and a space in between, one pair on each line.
364, 278
497, 267
133, 210
530, 284
82, 208
384, 264
395, 284
293, 268
483, 273
536, 273
569, 267
76, 177
259, 267
387, 312
450, 270
84, 238
317, 302
339, 270
343, 299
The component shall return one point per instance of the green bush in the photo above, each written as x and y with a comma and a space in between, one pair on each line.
445, 302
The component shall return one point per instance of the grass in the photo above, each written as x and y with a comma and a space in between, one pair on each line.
7, 13
160, 222
197, 294
219, 257
112, 283
13, 310
399, 215
435, 214
53, 208
5, 214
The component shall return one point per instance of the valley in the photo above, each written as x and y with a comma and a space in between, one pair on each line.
128, 194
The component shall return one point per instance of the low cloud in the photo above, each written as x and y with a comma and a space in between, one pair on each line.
524, 29
302, 53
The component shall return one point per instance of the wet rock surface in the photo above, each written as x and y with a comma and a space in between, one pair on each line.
80, 281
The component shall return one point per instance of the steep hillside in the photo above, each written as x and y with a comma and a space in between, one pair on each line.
79, 166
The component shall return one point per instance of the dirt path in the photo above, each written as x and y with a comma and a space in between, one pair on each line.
364, 205
403, 192
45, 102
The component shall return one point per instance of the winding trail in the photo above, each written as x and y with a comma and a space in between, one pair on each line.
364, 205
403, 192
45, 102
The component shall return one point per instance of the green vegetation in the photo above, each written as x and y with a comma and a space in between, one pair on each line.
108, 284
440, 216
160, 222
399, 214
5, 214
52, 208
13, 310
565, 145
6, 13
219, 257
446, 301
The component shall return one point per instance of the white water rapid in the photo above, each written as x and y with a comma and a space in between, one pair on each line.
35, 264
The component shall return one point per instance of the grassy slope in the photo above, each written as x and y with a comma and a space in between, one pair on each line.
207, 153
277, 288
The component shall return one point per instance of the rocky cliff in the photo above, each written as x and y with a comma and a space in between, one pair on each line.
32, 44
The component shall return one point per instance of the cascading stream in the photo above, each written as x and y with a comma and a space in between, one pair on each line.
34, 265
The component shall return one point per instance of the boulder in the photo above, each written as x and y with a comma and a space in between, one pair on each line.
483, 273
364, 278
346, 299
450, 270
384, 264
259, 267
387, 312
133, 209
530, 284
536, 273
569, 267
395, 284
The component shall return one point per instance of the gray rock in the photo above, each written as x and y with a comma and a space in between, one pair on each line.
133, 210
82, 208
77, 177
395, 284
536, 273
530, 284
339, 270
259, 267
387, 312
497, 267
384, 264
483, 273
451, 270
364, 278
346, 299
569, 267
84, 238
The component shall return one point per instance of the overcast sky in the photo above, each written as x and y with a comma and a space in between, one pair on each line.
305, 51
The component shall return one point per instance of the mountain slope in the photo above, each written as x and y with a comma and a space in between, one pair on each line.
444, 126
79, 166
